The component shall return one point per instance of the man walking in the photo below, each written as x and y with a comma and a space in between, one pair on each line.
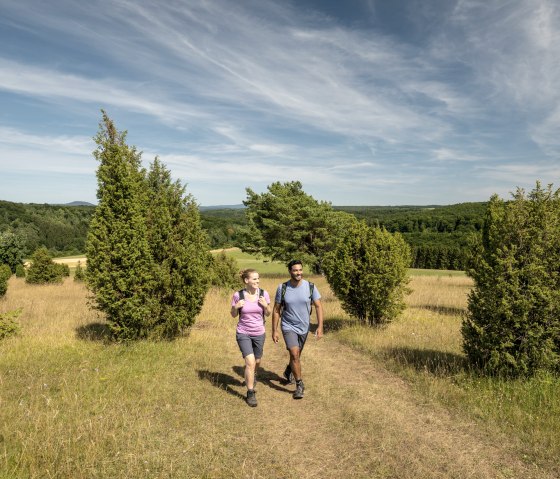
293, 303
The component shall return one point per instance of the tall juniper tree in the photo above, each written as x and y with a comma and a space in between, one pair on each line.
120, 270
179, 249
512, 326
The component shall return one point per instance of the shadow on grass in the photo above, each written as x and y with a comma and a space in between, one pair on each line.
268, 378
222, 381
447, 310
330, 325
438, 363
94, 332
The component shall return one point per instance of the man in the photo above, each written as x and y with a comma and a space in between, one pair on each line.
293, 303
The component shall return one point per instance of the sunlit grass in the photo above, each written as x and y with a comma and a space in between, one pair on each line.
73, 405
424, 346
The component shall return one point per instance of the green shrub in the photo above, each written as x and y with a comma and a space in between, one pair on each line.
512, 325
225, 271
8, 324
12, 249
20, 271
79, 273
43, 269
367, 270
5, 274
62, 269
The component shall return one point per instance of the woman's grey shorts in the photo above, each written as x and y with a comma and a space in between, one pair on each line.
250, 344
292, 339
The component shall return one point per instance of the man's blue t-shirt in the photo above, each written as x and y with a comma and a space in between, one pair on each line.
295, 314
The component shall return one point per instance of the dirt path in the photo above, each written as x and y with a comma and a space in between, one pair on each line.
360, 421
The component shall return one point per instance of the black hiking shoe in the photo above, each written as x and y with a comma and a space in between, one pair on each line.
288, 375
251, 399
298, 393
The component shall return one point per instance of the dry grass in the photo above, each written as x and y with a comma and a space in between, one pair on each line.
74, 406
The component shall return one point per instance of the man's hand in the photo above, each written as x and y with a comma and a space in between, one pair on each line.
275, 336
319, 333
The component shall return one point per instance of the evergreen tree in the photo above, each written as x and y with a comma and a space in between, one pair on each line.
286, 223
225, 271
43, 269
79, 273
367, 270
512, 326
179, 249
5, 274
120, 270
12, 249
20, 271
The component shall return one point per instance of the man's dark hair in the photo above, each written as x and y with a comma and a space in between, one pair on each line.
293, 263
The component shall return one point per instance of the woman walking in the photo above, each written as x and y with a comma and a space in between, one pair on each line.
252, 304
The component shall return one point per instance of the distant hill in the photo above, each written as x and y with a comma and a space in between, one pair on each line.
221, 207
78, 203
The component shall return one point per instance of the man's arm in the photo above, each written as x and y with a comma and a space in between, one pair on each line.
275, 321
319, 314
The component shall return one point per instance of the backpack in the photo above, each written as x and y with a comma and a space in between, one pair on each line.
311, 289
241, 293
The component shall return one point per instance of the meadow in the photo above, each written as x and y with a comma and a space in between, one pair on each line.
389, 402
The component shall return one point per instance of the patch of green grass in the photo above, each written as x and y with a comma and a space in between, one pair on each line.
264, 266
435, 272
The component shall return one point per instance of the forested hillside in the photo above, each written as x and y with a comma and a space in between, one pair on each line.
62, 229
438, 235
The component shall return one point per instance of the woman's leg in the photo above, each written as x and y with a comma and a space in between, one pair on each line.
250, 364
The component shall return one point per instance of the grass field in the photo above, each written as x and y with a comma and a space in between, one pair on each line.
390, 403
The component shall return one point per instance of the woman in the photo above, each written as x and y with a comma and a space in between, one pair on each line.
253, 305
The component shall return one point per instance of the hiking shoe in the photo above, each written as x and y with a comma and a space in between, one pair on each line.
251, 399
288, 375
298, 394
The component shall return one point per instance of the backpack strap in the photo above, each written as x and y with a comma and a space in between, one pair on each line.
283, 293
241, 293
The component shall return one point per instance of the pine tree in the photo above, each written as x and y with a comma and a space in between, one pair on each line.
120, 270
179, 249
512, 326
43, 269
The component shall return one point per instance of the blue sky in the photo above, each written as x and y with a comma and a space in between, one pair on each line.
365, 102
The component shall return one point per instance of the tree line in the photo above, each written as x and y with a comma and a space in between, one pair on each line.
437, 235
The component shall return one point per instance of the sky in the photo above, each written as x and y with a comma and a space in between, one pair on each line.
365, 102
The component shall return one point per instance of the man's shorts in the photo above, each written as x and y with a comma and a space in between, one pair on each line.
250, 344
292, 339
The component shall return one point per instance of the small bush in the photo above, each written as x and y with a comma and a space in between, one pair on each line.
367, 270
225, 271
79, 273
8, 324
20, 271
43, 269
62, 269
5, 273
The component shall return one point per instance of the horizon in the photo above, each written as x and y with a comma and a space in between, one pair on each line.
365, 103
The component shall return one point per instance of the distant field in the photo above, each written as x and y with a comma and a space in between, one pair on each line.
263, 266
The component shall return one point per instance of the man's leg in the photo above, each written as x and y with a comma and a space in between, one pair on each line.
295, 363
